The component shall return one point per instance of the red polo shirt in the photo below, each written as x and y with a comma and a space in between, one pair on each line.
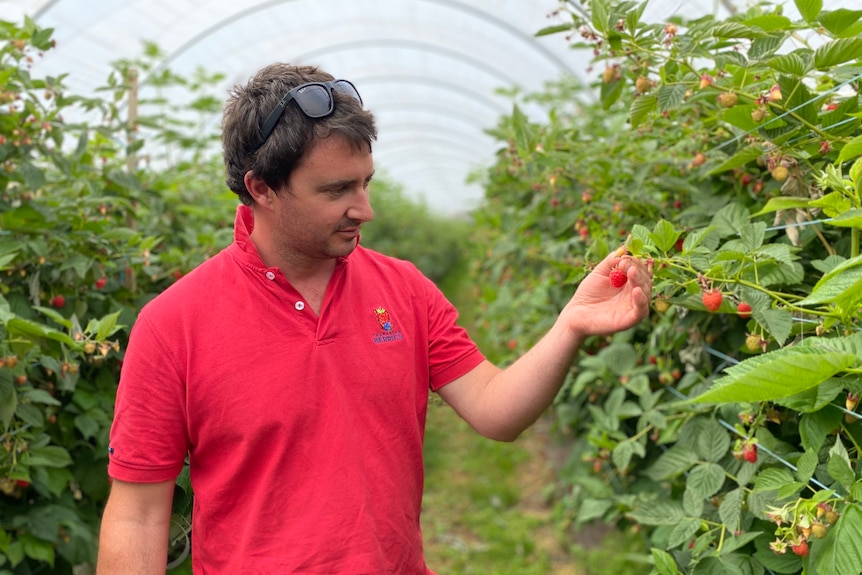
304, 432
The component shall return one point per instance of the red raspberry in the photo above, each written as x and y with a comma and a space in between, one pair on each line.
744, 310
618, 278
58, 301
801, 548
100, 283
749, 452
712, 299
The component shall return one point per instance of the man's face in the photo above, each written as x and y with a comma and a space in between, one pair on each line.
322, 209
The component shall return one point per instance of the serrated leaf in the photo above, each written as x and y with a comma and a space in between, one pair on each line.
815, 398
838, 465
705, 480
670, 96
600, 12
50, 456
769, 22
782, 203
851, 150
683, 532
730, 508
776, 374
658, 512
793, 64
837, 52
672, 463
809, 9
641, 108
664, 563
777, 322
664, 235
735, 30
741, 158
806, 465
840, 552
815, 427
713, 442
772, 479
790, 490
842, 22
843, 280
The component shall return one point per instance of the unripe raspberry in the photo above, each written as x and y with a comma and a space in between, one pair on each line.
780, 173
727, 100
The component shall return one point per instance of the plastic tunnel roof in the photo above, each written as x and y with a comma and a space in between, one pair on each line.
428, 69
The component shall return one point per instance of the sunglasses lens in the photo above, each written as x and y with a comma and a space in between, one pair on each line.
347, 88
314, 100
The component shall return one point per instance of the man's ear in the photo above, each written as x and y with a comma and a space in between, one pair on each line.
262, 194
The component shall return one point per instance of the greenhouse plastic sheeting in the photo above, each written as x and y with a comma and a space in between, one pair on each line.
430, 70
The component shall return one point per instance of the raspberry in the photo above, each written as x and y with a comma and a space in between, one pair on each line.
58, 301
744, 310
753, 343
749, 452
712, 299
618, 278
780, 173
818, 530
800, 548
727, 100
100, 283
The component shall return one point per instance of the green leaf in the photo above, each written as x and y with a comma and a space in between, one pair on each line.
806, 465
50, 456
600, 15
772, 479
641, 108
777, 374
658, 512
735, 30
664, 235
842, 23
730, 508
840, 552
705, 480
850, 151
713, 442
769, 23
793, 64
8, 405
664, 563
670, 96
809, 9
548, 30
741, 158
38, 549
841, 284
778, 322
849, 219
839, 466
683, 532
40, 396
673, 462
815, 427
837, 52
815, 398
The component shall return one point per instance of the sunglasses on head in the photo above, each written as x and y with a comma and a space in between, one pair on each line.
315, 99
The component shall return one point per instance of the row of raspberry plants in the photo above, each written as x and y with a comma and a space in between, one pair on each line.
727, 152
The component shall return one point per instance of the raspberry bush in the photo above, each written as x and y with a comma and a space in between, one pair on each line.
723, 430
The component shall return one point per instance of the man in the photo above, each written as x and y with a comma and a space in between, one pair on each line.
294, 367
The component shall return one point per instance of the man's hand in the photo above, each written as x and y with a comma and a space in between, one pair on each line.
600, 308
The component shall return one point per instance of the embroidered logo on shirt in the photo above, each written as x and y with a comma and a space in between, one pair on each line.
383, 318
385, 323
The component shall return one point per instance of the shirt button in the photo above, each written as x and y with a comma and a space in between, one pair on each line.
270, 275
300, 305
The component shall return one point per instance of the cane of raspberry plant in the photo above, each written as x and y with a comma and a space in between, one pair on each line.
618, 278
712, 299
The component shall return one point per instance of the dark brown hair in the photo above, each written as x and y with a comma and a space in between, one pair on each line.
294, 136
